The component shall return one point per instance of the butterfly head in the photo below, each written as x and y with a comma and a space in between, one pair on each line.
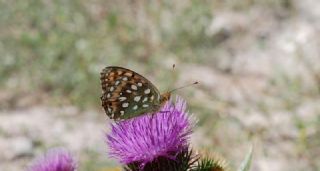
165, 97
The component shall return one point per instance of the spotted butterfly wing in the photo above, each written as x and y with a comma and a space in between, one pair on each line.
127, 94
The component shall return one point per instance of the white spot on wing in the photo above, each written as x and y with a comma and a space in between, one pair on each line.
117, 82
121, 112
125, 104
128, 91
145, 99
134, 87
137, 98
145, 105
152, 97
135, 107
122, 99
108, 95
147, 91
111, 89
139, 84
125, 78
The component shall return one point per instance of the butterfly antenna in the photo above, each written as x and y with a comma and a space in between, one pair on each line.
173, 67
188, 85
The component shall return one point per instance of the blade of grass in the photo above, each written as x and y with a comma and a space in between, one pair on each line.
246, 163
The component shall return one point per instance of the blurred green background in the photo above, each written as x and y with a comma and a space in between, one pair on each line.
257, 61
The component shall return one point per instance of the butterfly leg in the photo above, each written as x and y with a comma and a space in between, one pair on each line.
152, 115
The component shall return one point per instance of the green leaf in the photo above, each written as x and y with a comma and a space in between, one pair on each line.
245, 165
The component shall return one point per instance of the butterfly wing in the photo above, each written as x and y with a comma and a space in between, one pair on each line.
127, 94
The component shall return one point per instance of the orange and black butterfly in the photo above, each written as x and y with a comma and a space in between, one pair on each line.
127, 94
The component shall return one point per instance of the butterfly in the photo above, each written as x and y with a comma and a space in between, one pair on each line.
127, 94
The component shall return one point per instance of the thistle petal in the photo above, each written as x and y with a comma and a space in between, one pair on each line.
57, 159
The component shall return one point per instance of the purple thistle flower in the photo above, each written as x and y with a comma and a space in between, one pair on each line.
148, 137
57, 159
